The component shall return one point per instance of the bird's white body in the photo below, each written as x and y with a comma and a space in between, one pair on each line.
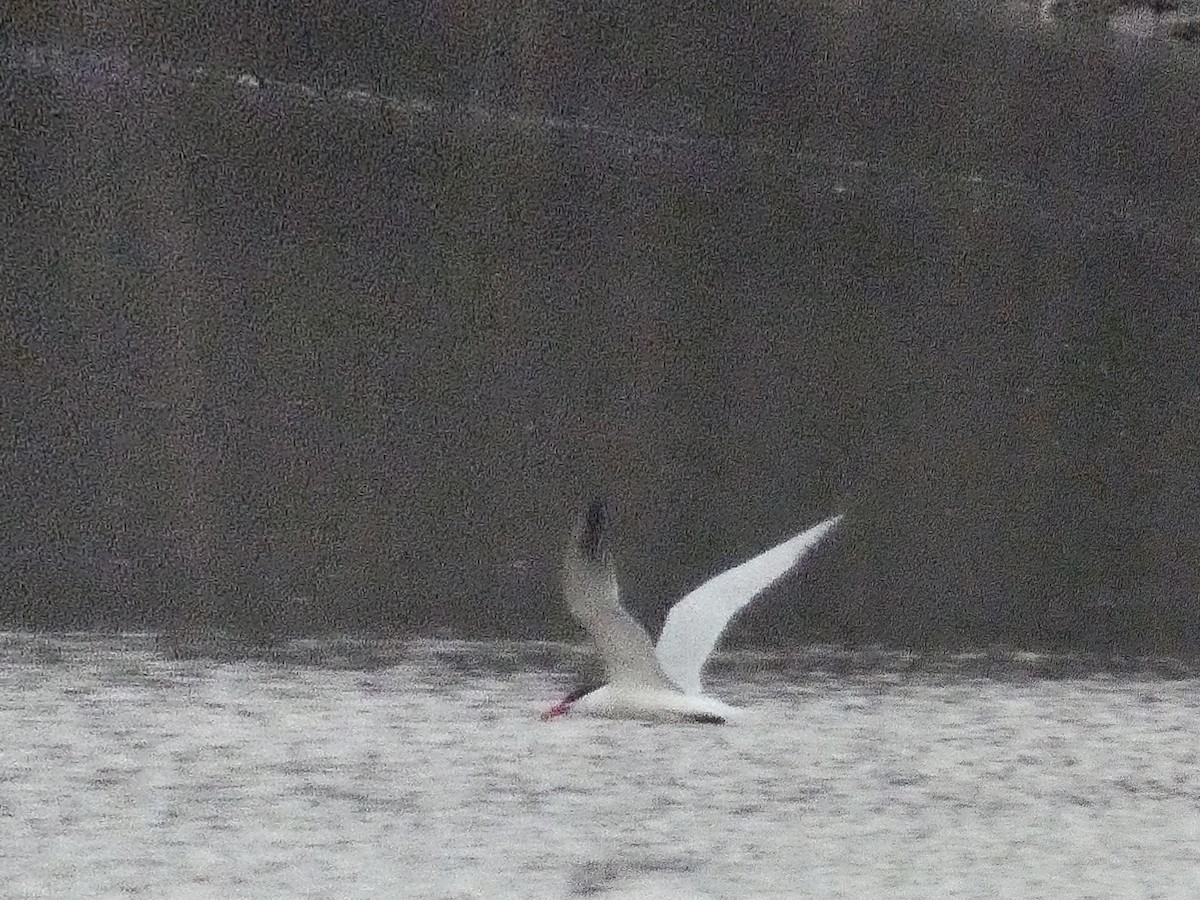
653, 704
661, 683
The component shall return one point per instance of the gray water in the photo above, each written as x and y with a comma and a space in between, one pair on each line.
420, 769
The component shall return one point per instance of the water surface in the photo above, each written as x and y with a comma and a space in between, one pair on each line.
420, 769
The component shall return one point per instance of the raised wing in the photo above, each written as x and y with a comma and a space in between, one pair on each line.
695, 623
590, 585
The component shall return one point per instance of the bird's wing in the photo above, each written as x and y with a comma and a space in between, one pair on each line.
695, 623
590, 585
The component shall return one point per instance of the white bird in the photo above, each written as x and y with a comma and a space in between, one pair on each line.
660, 683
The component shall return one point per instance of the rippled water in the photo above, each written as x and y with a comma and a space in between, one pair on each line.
421, 770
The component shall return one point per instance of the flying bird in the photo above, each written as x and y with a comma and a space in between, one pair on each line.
660, 682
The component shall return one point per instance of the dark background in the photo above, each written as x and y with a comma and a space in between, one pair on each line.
279, 360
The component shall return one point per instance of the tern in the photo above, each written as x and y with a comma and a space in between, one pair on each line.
660, 683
